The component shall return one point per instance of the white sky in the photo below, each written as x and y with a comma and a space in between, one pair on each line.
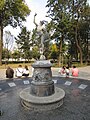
36, 6
88, 1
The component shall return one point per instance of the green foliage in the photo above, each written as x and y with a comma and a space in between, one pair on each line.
54, 51
24, 42
13, 12
35, 52
16, 54
6, 54
1, 4
34, 38
70, 22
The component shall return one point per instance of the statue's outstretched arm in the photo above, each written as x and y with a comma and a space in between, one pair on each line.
34, 20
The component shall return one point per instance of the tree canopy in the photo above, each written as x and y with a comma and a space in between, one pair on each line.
23, 41
12, 12
68, 18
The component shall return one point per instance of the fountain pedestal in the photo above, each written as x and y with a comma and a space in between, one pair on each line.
42, 84
42, 94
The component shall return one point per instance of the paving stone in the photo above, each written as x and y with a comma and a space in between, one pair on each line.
12, 84
55, 81
26, 82
82, 86
68, 83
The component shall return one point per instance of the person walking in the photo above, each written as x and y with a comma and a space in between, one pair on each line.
9, 72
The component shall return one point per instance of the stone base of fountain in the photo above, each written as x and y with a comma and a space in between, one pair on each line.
42, 88
42, 94
36, 103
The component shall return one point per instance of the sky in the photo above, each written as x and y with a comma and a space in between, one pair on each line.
36, 6
88, 1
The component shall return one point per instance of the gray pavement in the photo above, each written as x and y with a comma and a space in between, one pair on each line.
84, 73
76, 104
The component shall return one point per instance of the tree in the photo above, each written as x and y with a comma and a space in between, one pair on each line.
54, 51
12, 12
80, 19
58, 12
77, 6
16, 54
67, 18
35, 52
8, 42
24, 42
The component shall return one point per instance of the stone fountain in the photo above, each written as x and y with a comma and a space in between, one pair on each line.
42, 93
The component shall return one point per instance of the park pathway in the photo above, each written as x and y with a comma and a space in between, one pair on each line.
84, 72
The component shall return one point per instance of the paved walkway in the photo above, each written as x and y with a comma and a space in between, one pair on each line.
84, 73
76, 104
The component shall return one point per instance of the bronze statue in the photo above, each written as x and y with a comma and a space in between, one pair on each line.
42, 32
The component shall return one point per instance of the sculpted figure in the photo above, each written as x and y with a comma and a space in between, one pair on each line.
42, 32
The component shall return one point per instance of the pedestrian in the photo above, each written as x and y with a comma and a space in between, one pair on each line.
19, 71
75, 71
9, 72
25, 71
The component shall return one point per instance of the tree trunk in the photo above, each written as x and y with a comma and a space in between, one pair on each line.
1, 43
60, 52
78, 46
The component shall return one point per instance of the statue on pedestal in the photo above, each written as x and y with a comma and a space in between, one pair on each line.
42, 94
42, 33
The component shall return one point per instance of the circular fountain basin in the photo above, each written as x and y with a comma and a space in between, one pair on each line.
37, 103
